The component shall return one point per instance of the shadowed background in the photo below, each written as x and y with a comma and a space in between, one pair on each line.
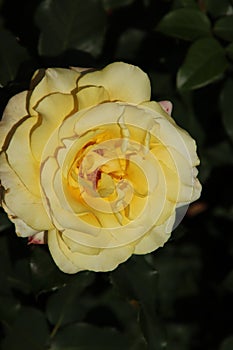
181, 296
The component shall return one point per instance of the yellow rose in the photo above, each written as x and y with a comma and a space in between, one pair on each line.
89, 161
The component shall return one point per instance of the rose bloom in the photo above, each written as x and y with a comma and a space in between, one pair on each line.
93, 167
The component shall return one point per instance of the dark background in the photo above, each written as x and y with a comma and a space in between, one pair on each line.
181, 296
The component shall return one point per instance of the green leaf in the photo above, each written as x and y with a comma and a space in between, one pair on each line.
9, 308
220, 154
68, 24
205, 63
20, 279
45, 275
125, 311
185, 23
113, 4
129, 44
12, 55
184, 3
5, 260
185, 115
179, 270
227, 283
229, 51
224, 213
223, 28
65, 306
29, 331
88, 337
139, 345
5, 223
180, 335
16, 272
226, 105
218, 8
162, 84
138, 279
143, 288
227, 344
153, 331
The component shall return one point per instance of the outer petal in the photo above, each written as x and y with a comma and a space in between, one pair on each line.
156, 238
61, 260
72, 262
80, 69
183, 150
14, 113
54, 80
124, 82
21, 228
167, 106
20, 158
91, 96
53, 109
172, 135
38, 238
18, 170
21, 204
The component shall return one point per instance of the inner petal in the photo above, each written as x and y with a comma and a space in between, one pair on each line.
105, 185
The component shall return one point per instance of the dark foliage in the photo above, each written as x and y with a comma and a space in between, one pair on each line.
179, 297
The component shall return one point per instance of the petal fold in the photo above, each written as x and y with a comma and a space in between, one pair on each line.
52, 110
20, 202
54, 80
124, 82
72, 262
14, 113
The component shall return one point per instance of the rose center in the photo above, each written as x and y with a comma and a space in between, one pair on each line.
107, 182
105, 185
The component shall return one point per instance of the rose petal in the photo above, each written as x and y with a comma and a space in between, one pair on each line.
21, 228
52, 109
62, 261
38, 238
80, 69
172, 135
20, 202
167, 106
72, 221
20, 157
14, 113
91, 96
156, 238
71, 262
54, 80
96, 165
124, 82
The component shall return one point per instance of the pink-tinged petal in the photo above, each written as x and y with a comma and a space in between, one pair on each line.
167, 106
38, 238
